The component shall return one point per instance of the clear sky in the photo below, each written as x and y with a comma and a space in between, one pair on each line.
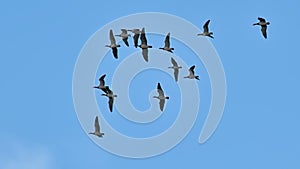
41, 41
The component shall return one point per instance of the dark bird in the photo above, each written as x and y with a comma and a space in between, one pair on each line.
192, 74
113, 44
136, 36
167, 44
206, 30
97, 131
262, 22
176, 68
144, 45
161, 96
124, 35
111, 96
101, 84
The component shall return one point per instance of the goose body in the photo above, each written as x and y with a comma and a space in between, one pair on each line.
176, 68
263, 23
167, 44
192, 73
206, 30
161, 96
113, 44
97, 131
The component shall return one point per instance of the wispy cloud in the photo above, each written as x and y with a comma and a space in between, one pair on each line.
19, 156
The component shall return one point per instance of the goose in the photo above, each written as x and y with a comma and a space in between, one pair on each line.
136, 36
97, 131
192, 74
110, 95
176, 68
113, 44
262, 22
124, 35
161, 96
167, 44
101, 84
144, 45
206, 30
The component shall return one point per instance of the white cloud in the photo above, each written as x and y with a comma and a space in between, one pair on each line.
18, 156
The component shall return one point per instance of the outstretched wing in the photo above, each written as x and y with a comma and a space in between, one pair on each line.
205, 26
115, 52
101, 79
167, 41
145, 54
136, 39
174, 63
161, 104
264, 31
261, 19
112, 38
176, 74
110, 103
192, 70
96, 124
143, 37
160, 90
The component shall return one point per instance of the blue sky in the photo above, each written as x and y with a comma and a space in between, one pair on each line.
40, 43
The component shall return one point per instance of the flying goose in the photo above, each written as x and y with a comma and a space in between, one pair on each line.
262, 22
136, 36
97, 131
161, 96
124, 35
206, 30
101, 84
192, 74
167, 44
176, 68
110, 95
144, 45
113, 44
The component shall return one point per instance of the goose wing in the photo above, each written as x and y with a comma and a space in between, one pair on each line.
101, 80
176, 74
192, 70
112, 38
125, 40
143, 37
264, 31
160, 90
96, 124
136, 39
174, 62
115, 52
205, 26
161, 104
261, 19
110, 103
145, 54
167, 41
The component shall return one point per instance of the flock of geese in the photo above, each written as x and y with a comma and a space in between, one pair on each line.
144, 46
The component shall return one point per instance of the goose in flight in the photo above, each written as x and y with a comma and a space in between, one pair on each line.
161, 96
206, 30
144, 45
167, 44
124, 35
192, 74
97, 131
110, 95
113, 44
136, 36
176, 68
101, 84
262, 22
